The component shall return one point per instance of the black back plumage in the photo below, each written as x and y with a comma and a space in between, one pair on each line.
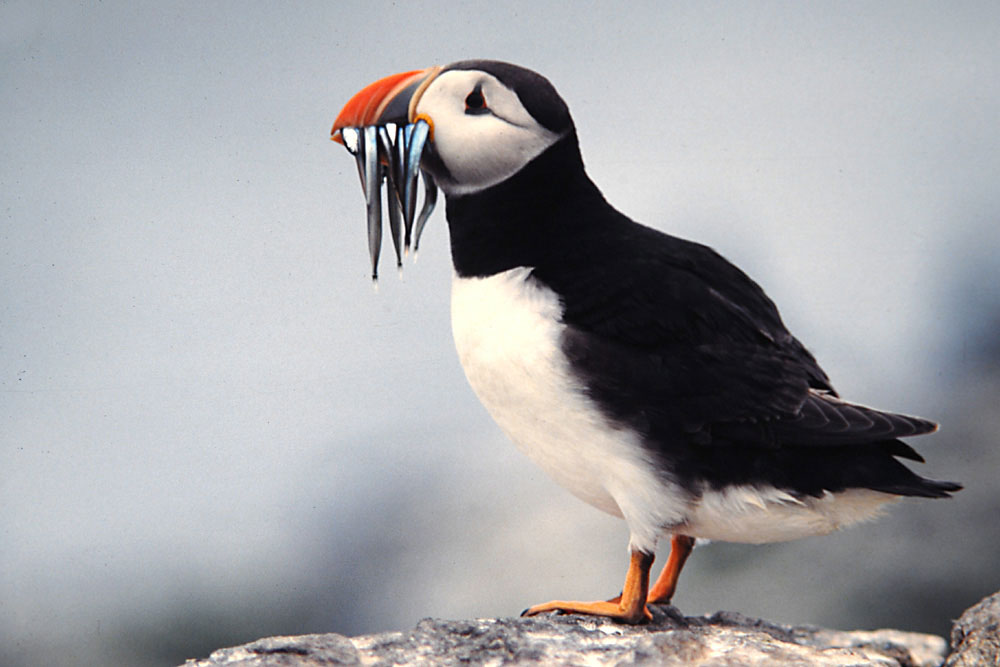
673, 341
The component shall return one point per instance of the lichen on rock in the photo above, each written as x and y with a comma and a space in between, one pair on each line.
975, 637
671, 639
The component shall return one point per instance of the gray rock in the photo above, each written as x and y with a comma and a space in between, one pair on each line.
670, 639
975, 637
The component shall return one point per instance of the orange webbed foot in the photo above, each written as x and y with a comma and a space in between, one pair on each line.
666, 585
613, 610
629, 607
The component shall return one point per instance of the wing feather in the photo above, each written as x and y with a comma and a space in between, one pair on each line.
681, 340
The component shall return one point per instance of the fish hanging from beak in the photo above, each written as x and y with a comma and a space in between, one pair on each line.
377, 126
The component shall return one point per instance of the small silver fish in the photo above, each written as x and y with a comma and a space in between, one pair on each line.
392, 153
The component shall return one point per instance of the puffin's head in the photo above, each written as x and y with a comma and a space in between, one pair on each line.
487, 119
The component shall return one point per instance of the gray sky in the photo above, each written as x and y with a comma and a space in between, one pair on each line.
201, 394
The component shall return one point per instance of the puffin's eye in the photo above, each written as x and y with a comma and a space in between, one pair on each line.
475, 103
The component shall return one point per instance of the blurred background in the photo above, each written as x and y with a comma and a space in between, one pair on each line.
213, 429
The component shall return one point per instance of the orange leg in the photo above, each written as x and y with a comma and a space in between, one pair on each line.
629, 608
665, 587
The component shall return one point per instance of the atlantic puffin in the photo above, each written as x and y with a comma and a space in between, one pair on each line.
645, 373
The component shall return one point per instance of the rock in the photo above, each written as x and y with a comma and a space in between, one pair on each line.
722, 639
975, 637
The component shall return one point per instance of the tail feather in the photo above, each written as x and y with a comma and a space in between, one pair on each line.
925, 488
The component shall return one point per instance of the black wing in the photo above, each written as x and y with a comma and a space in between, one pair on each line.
671, 337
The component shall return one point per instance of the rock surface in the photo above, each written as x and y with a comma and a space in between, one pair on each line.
671, 639
975, 637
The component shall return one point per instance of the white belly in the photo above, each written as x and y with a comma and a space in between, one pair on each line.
507, 331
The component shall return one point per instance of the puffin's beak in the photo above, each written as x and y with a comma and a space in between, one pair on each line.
380, 128
389, 100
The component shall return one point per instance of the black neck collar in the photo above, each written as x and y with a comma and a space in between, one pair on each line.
527, 219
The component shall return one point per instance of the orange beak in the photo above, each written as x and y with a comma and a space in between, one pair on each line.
389, 100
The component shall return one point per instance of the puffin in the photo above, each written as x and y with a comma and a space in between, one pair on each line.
645, 373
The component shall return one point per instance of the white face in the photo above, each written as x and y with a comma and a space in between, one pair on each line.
480, 147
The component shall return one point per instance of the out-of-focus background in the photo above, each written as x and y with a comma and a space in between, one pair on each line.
212, 428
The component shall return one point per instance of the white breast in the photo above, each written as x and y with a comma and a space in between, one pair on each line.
507, 329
